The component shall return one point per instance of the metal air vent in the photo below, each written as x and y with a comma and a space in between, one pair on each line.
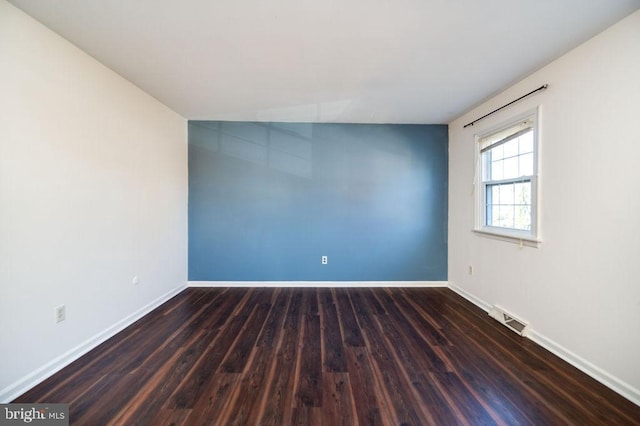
517, 325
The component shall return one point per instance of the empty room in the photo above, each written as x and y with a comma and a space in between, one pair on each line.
319, 213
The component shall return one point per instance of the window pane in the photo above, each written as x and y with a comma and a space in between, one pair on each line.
508, 205
497, 153
511, 148
523, 217
526, 142
506, 194
510, 168
506, 216
497, 170
526, 165
523, 193
495, 194
495, 215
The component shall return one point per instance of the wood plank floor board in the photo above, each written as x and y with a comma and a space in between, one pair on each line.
510, 401
350, 328
309, 383
189, 390
333, 347
91, 399
404, 312
415, 364
540, 370
310, 301
471, 409
153, 397
166, 417
370, 398
411, 336
326, 356
279, 395
294, 315
194, 345
214, 402
246, 405
236, 359
391, 373
307, 416
125, 391
504, 351
337, 400
273, 323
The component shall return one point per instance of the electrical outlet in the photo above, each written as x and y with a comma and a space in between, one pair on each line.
325, 260
60, 313
470, 270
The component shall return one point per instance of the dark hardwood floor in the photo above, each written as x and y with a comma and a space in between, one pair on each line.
327, 357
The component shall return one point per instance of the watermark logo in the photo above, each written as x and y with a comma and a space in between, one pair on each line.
34, 414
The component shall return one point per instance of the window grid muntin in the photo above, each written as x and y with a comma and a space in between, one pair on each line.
521, 218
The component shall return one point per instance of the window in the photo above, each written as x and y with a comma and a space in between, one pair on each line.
507, 201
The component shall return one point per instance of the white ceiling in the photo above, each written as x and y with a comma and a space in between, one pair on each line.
359, 61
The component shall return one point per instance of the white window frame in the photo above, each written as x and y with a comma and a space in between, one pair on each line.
523, 237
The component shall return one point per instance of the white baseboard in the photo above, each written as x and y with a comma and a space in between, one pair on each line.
324, 284
22, 385
607, 379
610, 381
471, 298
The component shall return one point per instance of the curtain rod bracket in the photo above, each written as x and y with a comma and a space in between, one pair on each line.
543, 87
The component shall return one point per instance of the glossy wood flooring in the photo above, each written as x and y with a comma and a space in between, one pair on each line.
326, 357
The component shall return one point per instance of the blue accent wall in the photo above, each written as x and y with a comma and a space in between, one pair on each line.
267, 200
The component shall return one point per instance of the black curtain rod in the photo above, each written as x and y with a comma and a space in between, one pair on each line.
544, 86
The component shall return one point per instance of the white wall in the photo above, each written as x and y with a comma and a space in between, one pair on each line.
93, 191
580, 289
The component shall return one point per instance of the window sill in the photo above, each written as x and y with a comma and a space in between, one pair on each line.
515, 239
